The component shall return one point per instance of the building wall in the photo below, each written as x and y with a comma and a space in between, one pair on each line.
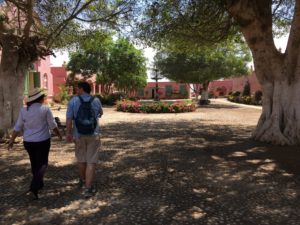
234, 84
42, 66
239, 83
220, 87
166, 90
59, 75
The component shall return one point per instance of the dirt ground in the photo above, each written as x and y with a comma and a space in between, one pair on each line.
190, 168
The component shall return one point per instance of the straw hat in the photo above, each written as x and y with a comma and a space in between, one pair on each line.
35, 94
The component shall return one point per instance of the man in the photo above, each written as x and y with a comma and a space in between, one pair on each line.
82, 127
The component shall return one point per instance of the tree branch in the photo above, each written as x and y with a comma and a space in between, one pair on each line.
63, 25
293, 46
29, 15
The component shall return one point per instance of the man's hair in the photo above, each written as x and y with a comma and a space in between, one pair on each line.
85, 86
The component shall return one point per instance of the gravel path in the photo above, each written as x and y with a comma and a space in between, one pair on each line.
160, 169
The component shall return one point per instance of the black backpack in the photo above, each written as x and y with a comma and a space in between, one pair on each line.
86, 120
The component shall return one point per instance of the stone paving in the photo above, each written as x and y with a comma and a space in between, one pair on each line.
161, 169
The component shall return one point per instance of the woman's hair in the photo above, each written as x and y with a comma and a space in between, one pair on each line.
85, 86
39, 99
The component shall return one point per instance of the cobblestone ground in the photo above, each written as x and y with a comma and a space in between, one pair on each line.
192, 168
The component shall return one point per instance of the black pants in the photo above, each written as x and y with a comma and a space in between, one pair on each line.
38, 153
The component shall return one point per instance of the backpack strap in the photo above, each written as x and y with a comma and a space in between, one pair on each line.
80, 98
90, 101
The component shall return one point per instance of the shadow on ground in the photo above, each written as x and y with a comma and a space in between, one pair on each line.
162, 173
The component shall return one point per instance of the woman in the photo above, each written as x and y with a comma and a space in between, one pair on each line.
35, 122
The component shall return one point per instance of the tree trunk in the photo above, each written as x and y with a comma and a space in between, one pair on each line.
278, 73
12, 77
196, 89
204, 94
279, 122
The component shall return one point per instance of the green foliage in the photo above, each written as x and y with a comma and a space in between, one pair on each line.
113, 62
236, 93
258, 96
127, 65
64, 22
111, 99
155, 107
246, 99
203, 64
247, 89
92, 54
203, 23
186, 23
63, 94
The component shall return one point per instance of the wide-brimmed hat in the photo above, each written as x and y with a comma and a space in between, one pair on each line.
35, 94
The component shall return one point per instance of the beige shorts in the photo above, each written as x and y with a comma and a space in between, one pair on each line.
87, 148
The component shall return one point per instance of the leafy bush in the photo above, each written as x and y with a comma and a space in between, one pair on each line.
253, 100
63, 95
110, 99
258, 96
155, 107
246, 100
236, 93
246, 91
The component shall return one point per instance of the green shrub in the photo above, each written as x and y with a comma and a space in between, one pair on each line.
236, 93
155, 107
246, 100
258, 96
246, 91
111, 98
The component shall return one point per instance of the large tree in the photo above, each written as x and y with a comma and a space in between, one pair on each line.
210, 21
90, 58
203, 65
116, 63
30, 29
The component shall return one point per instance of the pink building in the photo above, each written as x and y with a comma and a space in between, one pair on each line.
166, 90
220, 87
40, 76
238, 83
59, 78
223, 87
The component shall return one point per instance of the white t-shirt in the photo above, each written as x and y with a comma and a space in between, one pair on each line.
35, 123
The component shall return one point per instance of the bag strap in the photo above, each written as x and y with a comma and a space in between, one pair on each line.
91, 99
80, 98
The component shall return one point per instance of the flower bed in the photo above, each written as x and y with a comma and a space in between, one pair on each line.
155, 107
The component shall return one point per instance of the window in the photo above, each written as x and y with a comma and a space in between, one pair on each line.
140, 92
36, 80
169, 90
45, 81
182, 89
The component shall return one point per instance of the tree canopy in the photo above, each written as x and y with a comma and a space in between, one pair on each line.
116, 63
204, 64
206, 22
